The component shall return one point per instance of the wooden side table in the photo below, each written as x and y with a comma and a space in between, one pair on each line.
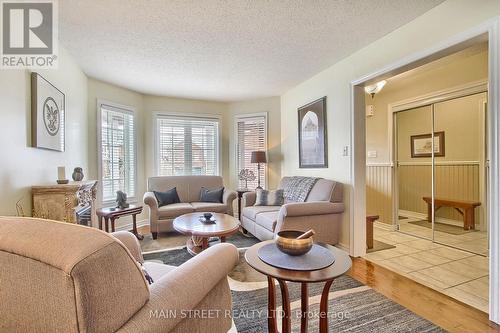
369, 230
341, 265
240, 195
112, 214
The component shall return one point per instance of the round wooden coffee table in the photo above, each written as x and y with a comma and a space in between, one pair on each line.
200, 232
341, 265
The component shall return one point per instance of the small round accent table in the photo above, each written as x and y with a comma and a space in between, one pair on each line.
200, 232
341, 265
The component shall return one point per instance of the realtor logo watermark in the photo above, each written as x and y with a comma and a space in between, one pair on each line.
29, 34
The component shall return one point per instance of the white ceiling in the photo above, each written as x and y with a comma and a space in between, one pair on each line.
222, 50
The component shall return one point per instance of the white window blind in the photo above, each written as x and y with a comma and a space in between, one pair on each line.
118, 156
187, 146
251, 136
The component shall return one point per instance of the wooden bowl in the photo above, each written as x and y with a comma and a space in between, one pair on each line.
287, 243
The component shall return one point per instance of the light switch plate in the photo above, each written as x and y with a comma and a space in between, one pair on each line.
345, 151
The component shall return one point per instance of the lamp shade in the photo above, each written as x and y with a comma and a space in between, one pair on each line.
258, 157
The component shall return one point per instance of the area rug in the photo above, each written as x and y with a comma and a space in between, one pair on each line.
353, 307
171, 240
442, 227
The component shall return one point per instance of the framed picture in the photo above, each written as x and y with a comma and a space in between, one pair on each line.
421, 145
313, 152
47, 114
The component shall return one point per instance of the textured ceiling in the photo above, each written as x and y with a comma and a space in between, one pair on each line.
222, 50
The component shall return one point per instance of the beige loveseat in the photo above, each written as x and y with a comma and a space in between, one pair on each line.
62, 277
188, 189
321, 211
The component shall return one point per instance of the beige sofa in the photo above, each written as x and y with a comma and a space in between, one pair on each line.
188, 189
321, 211
62, 277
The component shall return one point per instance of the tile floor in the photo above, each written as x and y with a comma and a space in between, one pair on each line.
459, 274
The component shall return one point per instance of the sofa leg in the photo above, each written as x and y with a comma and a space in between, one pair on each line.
155, 235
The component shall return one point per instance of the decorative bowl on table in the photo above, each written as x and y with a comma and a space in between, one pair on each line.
287, 242
207, 218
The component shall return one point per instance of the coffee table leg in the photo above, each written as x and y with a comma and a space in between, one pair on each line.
223, 239
323, 308
204, 243
106, 226
286, 325
272, 326
304, 304
112, 224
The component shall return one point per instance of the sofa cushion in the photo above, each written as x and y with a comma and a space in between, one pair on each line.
167, 198
252, 211
174, 210
267, 220
157, 270
212, 195
209, 206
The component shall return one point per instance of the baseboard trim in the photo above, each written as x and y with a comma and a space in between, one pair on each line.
422, 216
385, 226
129, 226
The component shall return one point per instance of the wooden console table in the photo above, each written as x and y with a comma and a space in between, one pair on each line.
459, 205
61, 202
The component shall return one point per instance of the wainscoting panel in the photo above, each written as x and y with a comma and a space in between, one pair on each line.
379, 192
453, 181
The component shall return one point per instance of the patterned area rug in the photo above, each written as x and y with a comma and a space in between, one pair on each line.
353, 307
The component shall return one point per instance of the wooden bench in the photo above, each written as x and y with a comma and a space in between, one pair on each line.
464, 207
369, 230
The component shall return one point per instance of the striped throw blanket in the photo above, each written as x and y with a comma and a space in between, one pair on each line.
297, 188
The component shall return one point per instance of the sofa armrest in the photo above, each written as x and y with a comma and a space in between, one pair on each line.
182, 289
150, 200
229, 196
131, 243
248, 199
311, 208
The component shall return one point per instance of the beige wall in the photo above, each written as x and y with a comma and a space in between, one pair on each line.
271, 106
22, 166
147, 106
458, 72
438, 24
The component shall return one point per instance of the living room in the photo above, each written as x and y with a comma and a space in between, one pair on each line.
252, 114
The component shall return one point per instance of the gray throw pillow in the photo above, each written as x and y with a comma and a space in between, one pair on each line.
211, 195
269, 198
167, 198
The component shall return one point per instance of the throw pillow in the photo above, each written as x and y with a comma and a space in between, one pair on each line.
212, 195
269, 198
167, 198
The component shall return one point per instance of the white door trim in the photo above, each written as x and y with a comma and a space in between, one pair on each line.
491, 28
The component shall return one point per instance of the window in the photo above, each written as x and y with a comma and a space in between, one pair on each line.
187, 145
251, 135
117, 151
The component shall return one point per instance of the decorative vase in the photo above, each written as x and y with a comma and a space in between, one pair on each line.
77, 174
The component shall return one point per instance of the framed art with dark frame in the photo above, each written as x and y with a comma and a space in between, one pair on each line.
421, 145
47, 114
313, 150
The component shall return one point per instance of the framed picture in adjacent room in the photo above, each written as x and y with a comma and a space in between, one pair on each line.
47, 114
313, 151
421, 145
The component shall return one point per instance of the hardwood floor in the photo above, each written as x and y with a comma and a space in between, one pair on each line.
438, 308
442, 310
